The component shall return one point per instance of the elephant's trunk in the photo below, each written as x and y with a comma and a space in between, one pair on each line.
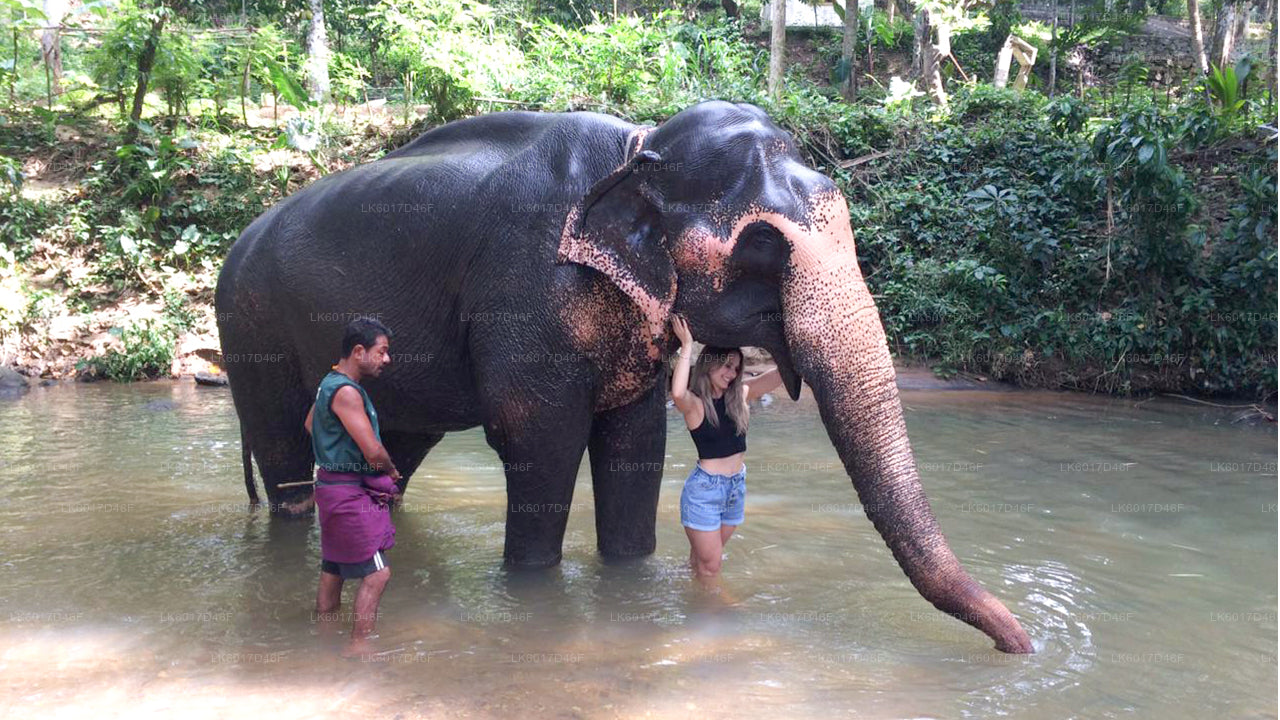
838, 344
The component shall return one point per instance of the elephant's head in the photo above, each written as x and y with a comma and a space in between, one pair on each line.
714, 215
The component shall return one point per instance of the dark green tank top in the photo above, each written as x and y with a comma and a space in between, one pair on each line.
334, 448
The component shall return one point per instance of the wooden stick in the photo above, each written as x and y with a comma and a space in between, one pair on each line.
956, 62
846, 164
503, 101
296, 484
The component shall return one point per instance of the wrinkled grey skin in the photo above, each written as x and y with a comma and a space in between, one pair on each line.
529, 264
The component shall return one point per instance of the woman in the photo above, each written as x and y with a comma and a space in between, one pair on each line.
716, 412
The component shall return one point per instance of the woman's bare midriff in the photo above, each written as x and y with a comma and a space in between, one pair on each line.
723, 466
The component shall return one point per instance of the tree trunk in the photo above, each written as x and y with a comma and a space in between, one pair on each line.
1053, 53
1225, 29
145, 61
244, 84
50, 43
14, 75
1197, 36
847, 55
1272, 62
317, 55
930, 56
777, 47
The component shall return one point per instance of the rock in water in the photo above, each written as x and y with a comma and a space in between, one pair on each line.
204, 378
12, 382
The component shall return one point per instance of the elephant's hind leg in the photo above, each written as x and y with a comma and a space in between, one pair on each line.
628, 449
272, 402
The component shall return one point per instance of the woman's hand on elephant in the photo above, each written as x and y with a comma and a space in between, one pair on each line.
681, 329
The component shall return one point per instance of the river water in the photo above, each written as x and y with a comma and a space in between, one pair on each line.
1136, 541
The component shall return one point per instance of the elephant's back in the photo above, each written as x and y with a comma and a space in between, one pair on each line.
497, 183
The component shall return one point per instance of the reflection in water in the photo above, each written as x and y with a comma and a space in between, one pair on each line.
1136, 542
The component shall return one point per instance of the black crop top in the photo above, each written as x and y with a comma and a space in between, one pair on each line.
713, 442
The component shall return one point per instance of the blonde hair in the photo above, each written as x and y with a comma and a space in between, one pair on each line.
710, 360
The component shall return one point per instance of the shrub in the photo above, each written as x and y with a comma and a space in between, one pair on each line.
147, 352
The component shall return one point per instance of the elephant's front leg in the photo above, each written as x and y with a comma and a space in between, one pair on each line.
541, 447
628, 450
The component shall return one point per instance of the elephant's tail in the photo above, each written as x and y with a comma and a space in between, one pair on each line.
246, 456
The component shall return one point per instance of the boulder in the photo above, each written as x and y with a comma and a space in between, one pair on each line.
12, 382
211, 379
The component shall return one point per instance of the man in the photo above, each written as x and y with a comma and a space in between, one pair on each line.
355, 482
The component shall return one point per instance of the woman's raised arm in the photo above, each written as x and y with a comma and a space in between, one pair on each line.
685, 401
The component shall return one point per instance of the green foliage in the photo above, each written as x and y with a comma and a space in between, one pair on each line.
896, 34
638, 67
1226, 85
452, 47
21, 222
147, 168
1004, 16
1067, 114
987, 102
11, 175
987, 244
146, 352
113, 64
286, 84
347, 78
1097, 29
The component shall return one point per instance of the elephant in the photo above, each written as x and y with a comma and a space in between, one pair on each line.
528, 264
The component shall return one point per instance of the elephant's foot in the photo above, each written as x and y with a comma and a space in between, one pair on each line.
620, 550
540, 561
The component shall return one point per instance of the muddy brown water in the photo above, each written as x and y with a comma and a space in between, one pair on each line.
1135, 540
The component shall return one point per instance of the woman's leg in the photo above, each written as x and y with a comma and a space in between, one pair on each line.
725, 532
706, 549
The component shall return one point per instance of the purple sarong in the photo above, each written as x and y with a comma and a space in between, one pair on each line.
353, 524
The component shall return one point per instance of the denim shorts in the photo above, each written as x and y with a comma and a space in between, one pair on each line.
709, 501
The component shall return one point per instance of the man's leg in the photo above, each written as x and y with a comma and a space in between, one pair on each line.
329, 596
366, 610
328, 602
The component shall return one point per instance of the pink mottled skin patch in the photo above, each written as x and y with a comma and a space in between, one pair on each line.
636, 140
579, 249
604, 325
826, 237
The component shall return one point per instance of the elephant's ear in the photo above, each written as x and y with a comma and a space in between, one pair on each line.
617, 230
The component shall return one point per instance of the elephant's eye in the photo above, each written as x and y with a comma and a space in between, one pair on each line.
762, 236
762, 249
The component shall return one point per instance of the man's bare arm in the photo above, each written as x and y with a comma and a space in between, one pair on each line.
349, 408
307, 423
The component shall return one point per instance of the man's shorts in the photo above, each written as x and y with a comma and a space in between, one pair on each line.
709, 501
355, 571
